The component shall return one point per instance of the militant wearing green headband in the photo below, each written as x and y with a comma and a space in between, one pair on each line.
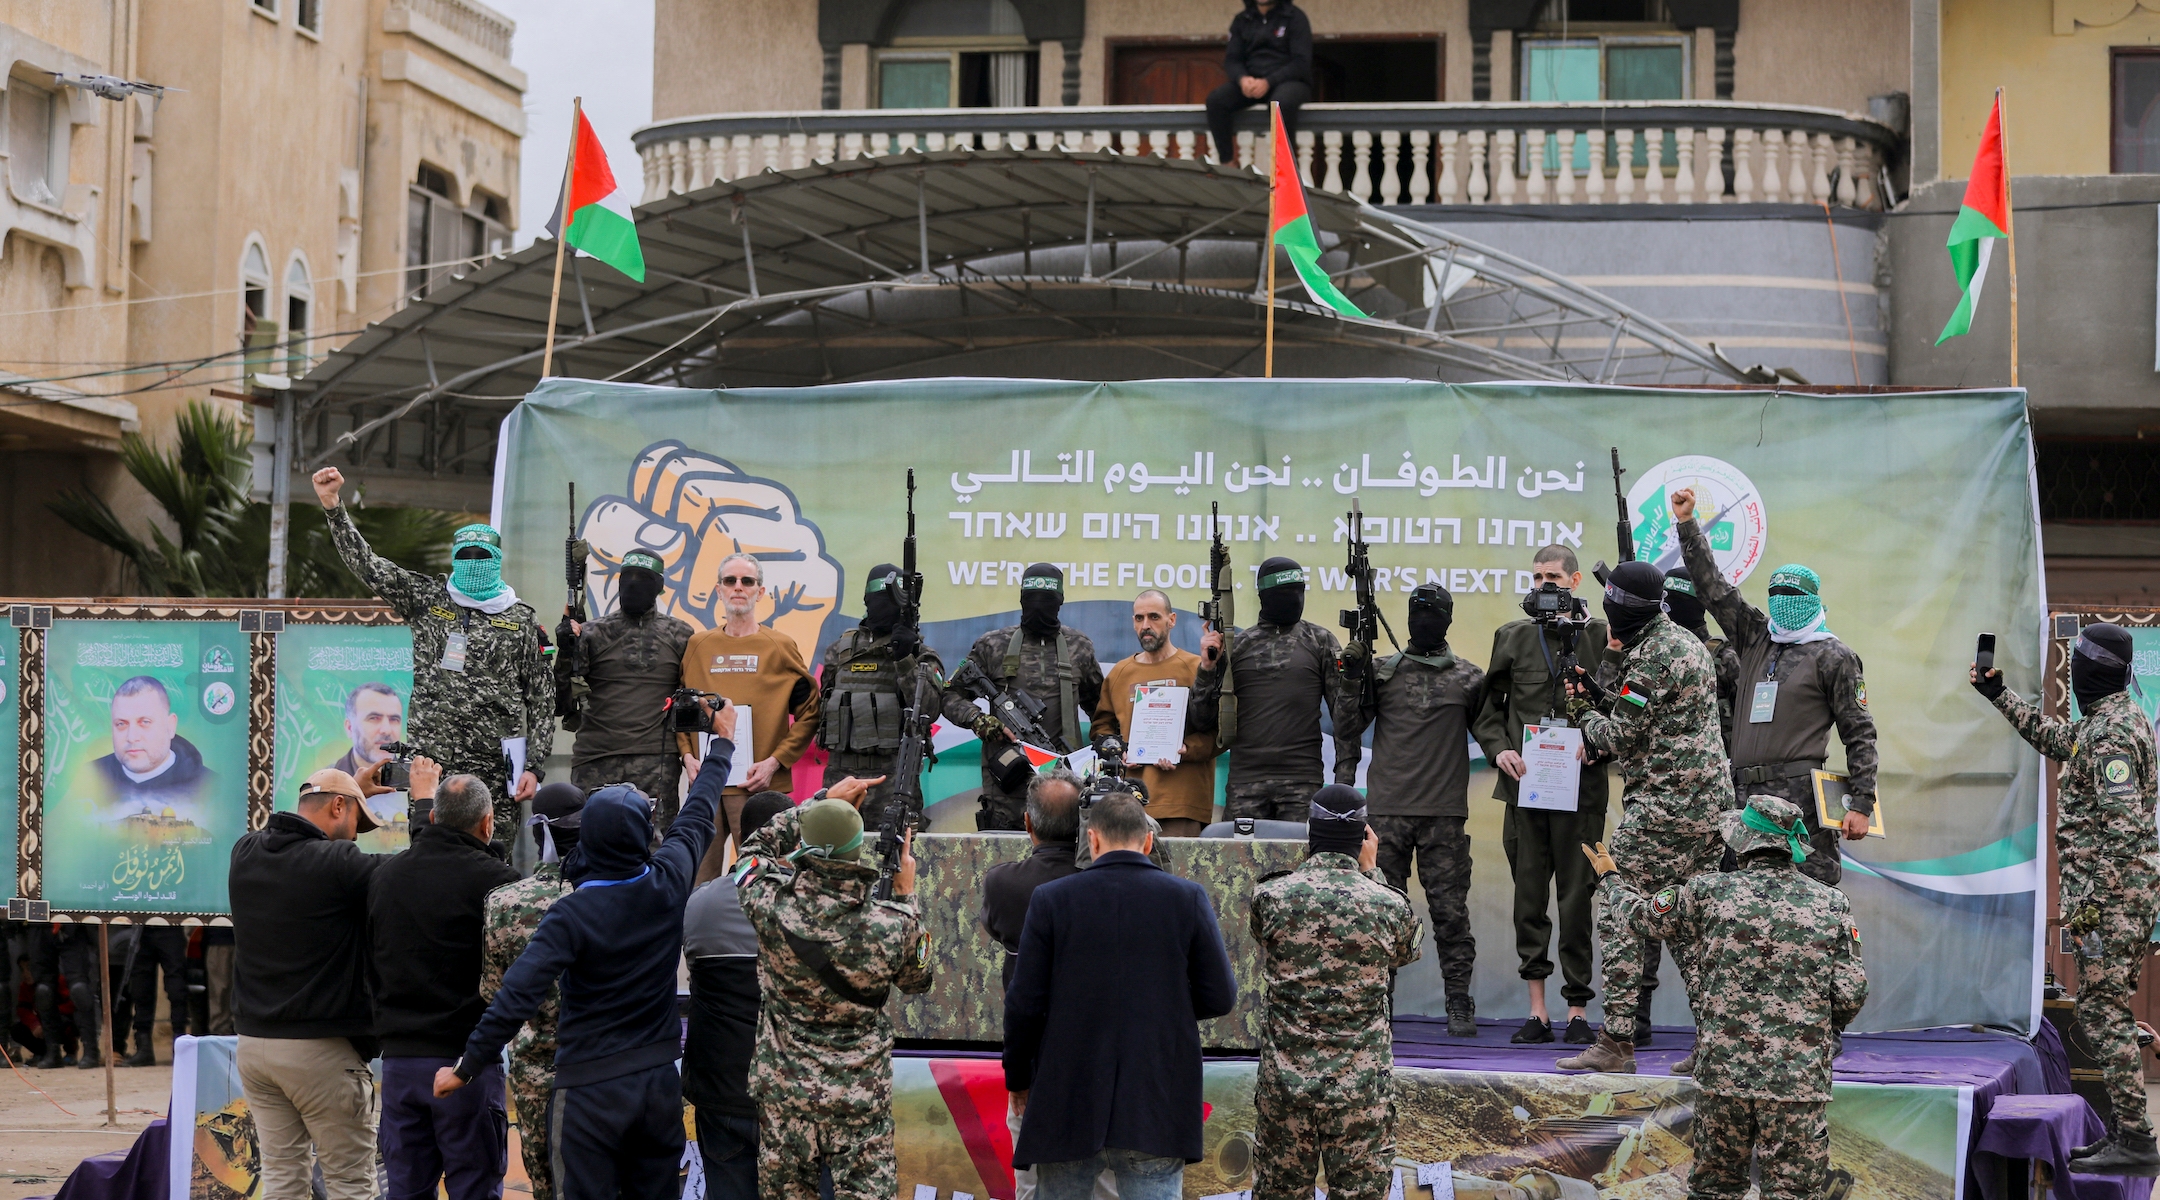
1279, 578
1795, 837
477, 578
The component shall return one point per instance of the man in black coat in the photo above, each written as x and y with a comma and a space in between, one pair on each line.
1053, 825
1269, 59
427, 913
1121, 937
301, 1001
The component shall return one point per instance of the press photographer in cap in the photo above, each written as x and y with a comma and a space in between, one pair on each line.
2110, 867
481, 691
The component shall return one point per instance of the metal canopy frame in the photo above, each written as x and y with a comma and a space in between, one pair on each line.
927, 264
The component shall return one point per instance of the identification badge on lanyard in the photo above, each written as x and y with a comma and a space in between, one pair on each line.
1760, 712
453, 652
1552, 722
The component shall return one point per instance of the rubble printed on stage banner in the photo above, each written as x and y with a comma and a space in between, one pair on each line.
146, 730
344, 692
214, 1152
1924, 534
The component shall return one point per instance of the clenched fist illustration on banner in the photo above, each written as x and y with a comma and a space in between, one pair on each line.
694, 510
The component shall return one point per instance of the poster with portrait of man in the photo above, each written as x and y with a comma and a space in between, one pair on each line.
146, 729
344, 694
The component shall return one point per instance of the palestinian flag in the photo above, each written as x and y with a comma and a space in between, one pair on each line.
1984, 217
1291, 227
600, 232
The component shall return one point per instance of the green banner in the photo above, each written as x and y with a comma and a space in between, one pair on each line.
146, 730
343, 692
1916, 509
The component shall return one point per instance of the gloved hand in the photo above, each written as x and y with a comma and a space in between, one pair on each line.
1354, 659
988, 728
1990, 685
2083, 919
906, 641
1600, 861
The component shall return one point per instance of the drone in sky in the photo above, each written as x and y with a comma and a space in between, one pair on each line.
113, 87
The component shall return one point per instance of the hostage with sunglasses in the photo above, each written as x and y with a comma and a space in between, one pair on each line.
1796, 683
481, 690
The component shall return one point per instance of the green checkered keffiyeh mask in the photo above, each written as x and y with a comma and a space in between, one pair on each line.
1796, 837
477, 578
1795, 599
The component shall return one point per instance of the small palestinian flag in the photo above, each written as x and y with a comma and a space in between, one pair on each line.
600, 232
1635, 698
1984, 217
1037, 757
1292, 227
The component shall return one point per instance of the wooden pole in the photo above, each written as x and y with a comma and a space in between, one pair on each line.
562, 231
1274, 150
105, 1048
2002, 113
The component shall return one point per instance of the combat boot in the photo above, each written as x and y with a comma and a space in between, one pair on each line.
50, 1060
1685, 1066
144, 1056
1610, 1056
90, 1060
1461, 1017
2130, 1154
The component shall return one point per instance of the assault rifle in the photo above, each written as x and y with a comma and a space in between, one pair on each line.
574, 555
1019, 712
1364, 623
1624, 529
1219, 611
911, 583
906, 798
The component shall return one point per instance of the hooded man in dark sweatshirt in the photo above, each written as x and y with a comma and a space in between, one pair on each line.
427, 912
615, 1122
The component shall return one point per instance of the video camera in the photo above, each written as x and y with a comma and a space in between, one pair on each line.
1109, 779
1548, 604
687, 710
396, 774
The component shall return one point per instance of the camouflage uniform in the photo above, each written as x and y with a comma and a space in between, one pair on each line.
1037, 673
822, 1069
513, 913
1284, 674
864, 692
1779, 960
1331, 939
460, 718
630, 665
1663, 732
2110, 873
1820, 685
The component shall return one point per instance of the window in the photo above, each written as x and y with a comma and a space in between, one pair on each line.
958, 54
443, 241
267, 8
258, 331
307, 14
299, 299
37, 132
1603, 67
2134, 147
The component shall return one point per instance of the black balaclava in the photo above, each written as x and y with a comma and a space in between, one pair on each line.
2100, 664
557, 809
1336, 822
1634, 594
881, 599
1282, 591
1042, 594
639, 591
1432, 610
1684, 605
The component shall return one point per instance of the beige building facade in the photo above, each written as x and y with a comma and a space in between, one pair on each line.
308, 169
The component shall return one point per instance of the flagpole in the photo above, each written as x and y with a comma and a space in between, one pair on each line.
1274, 122
2002, 117
562, 233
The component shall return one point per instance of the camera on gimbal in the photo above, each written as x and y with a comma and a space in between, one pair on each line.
1548, 604
687, 712
396, 774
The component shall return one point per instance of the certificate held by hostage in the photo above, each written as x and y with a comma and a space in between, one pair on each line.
1158, 724
1552, 768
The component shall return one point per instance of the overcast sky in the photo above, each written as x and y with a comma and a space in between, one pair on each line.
575, 48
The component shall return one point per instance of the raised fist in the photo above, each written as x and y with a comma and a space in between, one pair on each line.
693, 510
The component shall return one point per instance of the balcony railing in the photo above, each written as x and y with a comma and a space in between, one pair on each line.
1680, 152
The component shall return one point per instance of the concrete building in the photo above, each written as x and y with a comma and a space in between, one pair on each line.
309, 169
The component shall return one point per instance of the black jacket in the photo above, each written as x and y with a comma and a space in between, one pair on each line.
1007, 888
722, 948
1275, 46
300, 948
1118, 965
427, 911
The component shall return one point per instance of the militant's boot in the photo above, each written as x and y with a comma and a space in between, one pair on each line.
1685, 1066
1461, 1017
1610, 1056
2131, 1154
144, 1056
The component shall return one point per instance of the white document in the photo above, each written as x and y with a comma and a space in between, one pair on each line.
514, 750
1158, 724
1552, 768
738, 766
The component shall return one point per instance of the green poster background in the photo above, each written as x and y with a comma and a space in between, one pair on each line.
1915, 508
320, 668
162, 847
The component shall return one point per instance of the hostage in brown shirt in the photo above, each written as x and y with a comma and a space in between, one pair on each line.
1181, 794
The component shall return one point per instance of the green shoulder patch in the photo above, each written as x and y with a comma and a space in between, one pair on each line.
922, 950
1861, 691
1665, 901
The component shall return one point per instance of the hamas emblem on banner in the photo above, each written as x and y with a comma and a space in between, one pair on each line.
1727, 506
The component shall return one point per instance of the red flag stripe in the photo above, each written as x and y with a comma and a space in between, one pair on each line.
590, 178
1988, 191
1289, 192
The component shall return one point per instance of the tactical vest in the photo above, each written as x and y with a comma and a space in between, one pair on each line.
864, 715
1068, 694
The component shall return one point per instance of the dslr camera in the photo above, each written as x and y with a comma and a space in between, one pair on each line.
690, 710
397, 773
1110, 778
1547, 604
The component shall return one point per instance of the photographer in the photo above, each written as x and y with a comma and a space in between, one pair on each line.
631, 661
479, 683
1544, 847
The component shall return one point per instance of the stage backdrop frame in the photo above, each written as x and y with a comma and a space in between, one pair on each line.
259, 621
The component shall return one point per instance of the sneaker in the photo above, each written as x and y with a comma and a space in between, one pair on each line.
2131, 1154
1609, 1056
1579, 1033
1685, 1066
144, 1056
1533, 1032
1462, 1018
